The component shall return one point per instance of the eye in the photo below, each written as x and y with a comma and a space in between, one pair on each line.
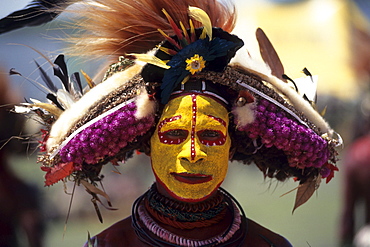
209, 135
176, 134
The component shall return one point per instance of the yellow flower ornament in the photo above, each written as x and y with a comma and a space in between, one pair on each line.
195, 64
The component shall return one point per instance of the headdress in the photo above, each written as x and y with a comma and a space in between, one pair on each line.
183, 44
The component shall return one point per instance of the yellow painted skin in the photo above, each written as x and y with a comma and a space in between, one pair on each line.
190, 147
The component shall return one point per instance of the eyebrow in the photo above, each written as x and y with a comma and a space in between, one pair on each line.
220, 120
168, 120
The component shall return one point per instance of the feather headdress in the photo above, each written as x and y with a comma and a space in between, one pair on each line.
117, 27
182, 43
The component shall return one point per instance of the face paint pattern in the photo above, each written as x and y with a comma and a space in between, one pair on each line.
190, 150
163, 135
218, 139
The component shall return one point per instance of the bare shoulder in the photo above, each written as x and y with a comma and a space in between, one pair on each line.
258, 235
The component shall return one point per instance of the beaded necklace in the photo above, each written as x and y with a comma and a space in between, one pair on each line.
146, 227
184, 215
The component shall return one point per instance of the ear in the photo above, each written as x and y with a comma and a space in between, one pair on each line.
232, 152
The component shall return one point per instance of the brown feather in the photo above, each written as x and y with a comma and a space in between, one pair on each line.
269, 54
116, 27
306, 190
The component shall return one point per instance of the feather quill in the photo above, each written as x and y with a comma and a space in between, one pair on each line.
90, 82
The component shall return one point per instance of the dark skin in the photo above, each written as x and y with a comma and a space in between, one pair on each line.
123, 234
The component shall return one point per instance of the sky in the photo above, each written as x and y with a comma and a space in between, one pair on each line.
8, 6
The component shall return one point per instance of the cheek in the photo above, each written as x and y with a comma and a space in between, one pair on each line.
218, 156
163, 156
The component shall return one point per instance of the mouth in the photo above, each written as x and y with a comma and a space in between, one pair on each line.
191, 178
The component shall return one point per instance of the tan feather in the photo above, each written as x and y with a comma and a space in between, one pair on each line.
50, 108
269, 54
150, 58
90, 81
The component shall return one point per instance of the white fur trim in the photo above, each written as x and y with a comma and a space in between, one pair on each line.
144, 105
245, 114
71, 116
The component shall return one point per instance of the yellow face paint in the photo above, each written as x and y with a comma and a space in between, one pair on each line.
190, 147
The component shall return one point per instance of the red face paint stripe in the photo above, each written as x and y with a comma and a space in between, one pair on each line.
218, 119
161, 134
217, 142
193, 123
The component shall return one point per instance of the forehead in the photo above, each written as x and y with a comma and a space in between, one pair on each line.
185, 106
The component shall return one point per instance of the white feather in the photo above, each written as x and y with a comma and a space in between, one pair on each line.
22, 109
244, 59
35, 101
307, 86
65, 99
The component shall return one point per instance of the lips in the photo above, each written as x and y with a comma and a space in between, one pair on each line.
191, 178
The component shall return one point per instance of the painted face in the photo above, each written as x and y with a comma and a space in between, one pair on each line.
190, 148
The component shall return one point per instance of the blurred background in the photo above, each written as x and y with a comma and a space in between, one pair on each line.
329, 37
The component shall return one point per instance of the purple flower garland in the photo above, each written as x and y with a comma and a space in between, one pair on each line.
106, 137
303, 147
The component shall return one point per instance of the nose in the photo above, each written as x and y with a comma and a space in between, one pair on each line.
191, 152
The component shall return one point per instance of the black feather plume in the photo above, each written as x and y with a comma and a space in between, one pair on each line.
60, 70
35, 13
49, 83
54, 99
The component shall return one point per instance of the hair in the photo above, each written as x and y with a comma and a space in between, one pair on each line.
116, 27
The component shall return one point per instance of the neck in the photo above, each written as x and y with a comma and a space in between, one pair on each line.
184, 215
215, 220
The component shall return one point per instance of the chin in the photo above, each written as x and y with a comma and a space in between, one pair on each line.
191, 193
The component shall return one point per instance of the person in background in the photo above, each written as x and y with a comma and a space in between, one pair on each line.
21, 214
